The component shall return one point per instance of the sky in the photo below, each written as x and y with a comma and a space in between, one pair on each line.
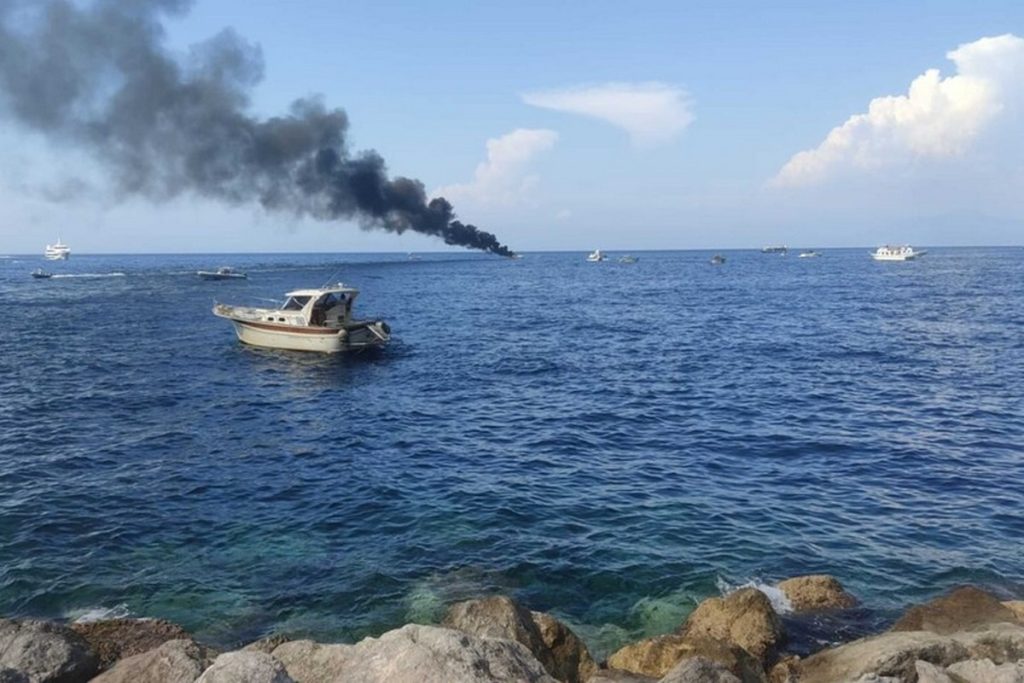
620, 126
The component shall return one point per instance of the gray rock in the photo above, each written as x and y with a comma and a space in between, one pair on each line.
562, 653
176, 661
618, 676
889, 655
699, 670
999, 642
245, 667
267, 644
929, 673
12, 676
987, 671
414, 654
45, 652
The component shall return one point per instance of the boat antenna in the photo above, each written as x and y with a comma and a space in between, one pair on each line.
330, 278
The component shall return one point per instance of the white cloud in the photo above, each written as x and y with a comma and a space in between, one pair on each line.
502, 178
939, 119
651, 113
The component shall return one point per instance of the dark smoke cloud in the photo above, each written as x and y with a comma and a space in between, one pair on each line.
99, 76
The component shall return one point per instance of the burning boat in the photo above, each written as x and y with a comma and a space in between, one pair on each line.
309, 320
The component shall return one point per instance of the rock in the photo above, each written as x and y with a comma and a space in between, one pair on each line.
743, 618
414, 654
816, 592
268, 644
987, 671
998, 642
1017, 607
45, 652
787, 670
888, 655
114, 639
617, 676
309, 662
571, 658
563, 655
929, 673
176, 661
699, 670
962, 609
12, 676
657, 656
245, 667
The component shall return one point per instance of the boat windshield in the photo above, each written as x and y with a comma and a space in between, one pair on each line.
295, 303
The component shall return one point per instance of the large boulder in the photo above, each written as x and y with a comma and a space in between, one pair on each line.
617, 676
245, 667
562, 653
986, 671
45, 652
176, 661
1017, 607
929, 673
415, 654
816, 592
745, 618
964, 608
114, 639
888, 655
999, 642
12, 676
267, 644
658, 655
699, 670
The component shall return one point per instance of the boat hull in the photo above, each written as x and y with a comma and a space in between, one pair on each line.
356, 337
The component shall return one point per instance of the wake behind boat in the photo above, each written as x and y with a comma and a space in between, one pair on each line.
222, 273
310, 320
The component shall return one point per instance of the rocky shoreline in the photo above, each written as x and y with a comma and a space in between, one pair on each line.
966, 636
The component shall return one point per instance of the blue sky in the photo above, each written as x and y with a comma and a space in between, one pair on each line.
726, 94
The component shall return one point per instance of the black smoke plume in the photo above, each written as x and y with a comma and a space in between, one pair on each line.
99, 76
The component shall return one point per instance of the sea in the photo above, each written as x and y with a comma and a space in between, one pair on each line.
608, 442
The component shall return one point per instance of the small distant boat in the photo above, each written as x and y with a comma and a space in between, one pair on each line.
628, 258
309, 320
810, 254
57, 252
775, 249
517, 256
717, 260
596, 256
415, 257
891, 253
222, 273
41, 274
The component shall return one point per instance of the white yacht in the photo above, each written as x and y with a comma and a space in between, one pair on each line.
57, 252
309, 320
809, 254
222, 273
891, 253
775, 249
596, 256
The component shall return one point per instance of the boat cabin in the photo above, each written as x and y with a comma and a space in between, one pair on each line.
328, 307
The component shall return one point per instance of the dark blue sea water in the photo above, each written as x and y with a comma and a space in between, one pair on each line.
608, 442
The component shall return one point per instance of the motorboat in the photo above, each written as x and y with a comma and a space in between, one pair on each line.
309, 320
57, 252
628, 258
41, 274
222, 273
596, 256
775, 249
891, 253
809, 254
717, 260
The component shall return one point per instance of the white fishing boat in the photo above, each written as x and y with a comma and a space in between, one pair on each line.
891, 253
309, 320
57, 252
222, 273
809, 254
596, 256
775, 249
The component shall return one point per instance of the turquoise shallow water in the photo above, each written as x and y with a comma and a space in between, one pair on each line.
610, 442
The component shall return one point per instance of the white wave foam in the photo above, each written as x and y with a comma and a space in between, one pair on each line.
88, 614
88, 275
775, 595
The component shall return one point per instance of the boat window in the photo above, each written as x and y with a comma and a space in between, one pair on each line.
329, 301
295, 303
